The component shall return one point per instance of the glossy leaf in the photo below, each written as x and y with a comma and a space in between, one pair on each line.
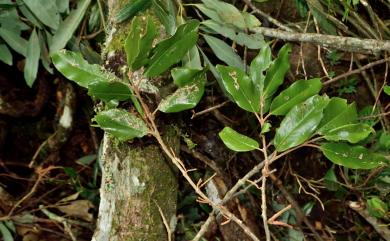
295, 94
184, 98
16, 42
172, 50
240, 87
32, 59
376, 207
355, 157
300, 123
352, 133
338, 113
224, 52
166, 15
183, 76
45, 11
74, 67
110, 90
275, 74
131, 9
227, 13
68, 26
5, 54
258, 67
145, 44
121, 124
386, 89
252, 41
236, 141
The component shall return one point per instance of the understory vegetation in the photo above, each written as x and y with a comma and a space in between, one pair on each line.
281, 107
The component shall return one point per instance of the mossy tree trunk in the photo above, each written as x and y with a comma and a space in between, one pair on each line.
136, 179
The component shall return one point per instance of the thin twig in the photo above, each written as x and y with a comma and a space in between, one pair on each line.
169, 232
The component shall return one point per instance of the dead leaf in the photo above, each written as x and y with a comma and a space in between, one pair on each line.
78, 209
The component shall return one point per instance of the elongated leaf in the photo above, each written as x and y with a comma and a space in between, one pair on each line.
338, 113
74, 67
16, 42
133, 40
236, 141
121, 124
300, 123
172, 50
295, 94
45, 11
68, 26
62, 5
131, 9
145, 44
228, 13
276, 72
184, 98
240, 87
356, 157
258, 67
192, 59
253, 41
5, 233
183, 76
5, 54
111, 90
352, 133
386, 89
32, 59
166, 15
224, 52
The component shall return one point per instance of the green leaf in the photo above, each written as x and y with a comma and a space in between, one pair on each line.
338, 113
111, 90
172, 50
376, 207
386, 89
68, 26
384, 141
355, 157
74, 67
224, 52
16, 42
352, 133
240, 87
275, 74
166, 17
145, 44
228, 13
253, 41
330, 180
236, 141
32, 59
192, 59
295, 94
6, 234
266, 128
300, 123
133, 40
183, 76
258, 67
184, 98
45, 11
62, 5
121, 124
131, 9
5, 54
251, 21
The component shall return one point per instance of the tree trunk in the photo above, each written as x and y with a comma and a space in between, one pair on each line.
136, 180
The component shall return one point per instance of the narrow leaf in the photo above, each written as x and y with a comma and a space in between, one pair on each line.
131, 9
32, 59
184, 98
236, 141
352, 133
111, 90
121, 124
183, 76
5, 54
6, 234
295, 94
74, 67
166, 17
240, 87
172, 50
356, 157
300, 123
224, 52
45, 11
68, 26
16, 42
386, 89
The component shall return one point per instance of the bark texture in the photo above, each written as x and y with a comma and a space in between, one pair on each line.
136, 178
